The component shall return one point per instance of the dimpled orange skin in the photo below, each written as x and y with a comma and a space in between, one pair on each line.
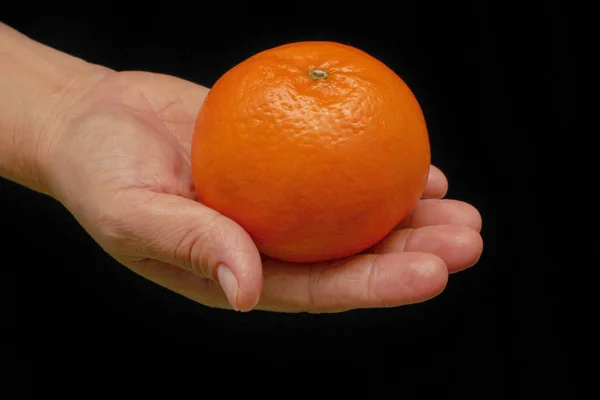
313, 169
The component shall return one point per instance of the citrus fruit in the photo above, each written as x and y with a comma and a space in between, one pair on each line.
317, 149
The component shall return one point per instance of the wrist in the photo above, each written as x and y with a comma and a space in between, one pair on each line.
64, 105
40, 89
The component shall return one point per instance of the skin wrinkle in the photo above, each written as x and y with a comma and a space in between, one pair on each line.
169, 105
172, 187
183, 247
371, 279
159, 116
216, 236
408, 281
314, 277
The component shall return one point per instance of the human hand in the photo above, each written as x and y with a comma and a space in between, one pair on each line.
121, 166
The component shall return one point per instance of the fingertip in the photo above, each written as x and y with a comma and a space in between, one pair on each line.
407, 278
472, 216
472, 243
433, 274
235, 262
243, 293
246, 265
437, 184
229, 284
460, 247
250, 287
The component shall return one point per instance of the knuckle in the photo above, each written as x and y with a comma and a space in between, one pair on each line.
315, 278
331, 292
196, 248
370, 286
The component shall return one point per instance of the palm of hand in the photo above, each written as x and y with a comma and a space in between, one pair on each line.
122, 168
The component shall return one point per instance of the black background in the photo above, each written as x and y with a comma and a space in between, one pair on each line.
492, 81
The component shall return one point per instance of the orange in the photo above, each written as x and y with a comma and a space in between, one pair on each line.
316, 149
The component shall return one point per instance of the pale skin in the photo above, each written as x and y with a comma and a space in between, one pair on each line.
113, 148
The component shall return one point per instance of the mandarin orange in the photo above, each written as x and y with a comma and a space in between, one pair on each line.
317, 149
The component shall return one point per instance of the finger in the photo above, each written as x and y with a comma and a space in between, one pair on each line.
437, 184
458, 246
429, 212
202, 290
364, 281
182, 232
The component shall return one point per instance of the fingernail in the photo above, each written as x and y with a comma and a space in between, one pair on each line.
229, 284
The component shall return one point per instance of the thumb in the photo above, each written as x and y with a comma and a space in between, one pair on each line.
187, 234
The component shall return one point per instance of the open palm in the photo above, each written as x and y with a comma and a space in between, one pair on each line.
122, 168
